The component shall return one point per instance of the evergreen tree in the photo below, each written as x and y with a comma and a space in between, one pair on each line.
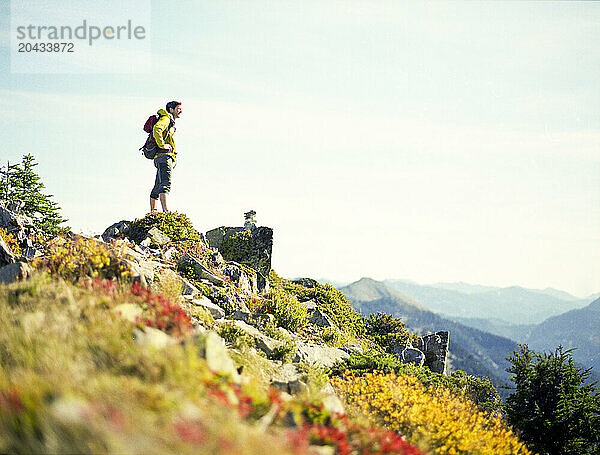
21, 183
555, 410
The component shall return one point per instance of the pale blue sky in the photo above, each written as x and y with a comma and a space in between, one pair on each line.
437, 141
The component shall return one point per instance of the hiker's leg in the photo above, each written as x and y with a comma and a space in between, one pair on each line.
163, 201
152, 204
164, 165
156, 188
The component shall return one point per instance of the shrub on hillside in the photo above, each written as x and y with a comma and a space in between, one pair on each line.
387, 331
552, 406
176, 226
19, 182
329, 300
437, 419
10, 241
76, 258
480, 390
237, 247
289, 313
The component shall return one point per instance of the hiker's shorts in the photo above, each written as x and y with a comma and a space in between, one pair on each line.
164, 170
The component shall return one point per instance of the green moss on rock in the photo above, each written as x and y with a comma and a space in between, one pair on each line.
176, 226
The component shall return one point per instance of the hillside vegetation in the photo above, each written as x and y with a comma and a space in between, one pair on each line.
94, 361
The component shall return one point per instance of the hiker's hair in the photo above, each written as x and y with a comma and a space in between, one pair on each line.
172, 105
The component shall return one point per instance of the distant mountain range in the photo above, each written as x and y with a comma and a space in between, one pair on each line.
543, 319
513, 305
471, 350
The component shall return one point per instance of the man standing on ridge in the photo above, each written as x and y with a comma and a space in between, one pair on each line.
163, 133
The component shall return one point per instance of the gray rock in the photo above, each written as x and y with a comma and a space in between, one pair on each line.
259, 249
250, 318
263, 342
310, 305
69, 409
333, 404
188, 288
15, 272
321, 450
288, 379
320, 319
331, 401
212, 348
244, 281
212, 308
6, 254
15, 221
116, 231
157, 238
199, 270
306, 282
320, 354
153, 338
141, 274
435, 348
414, 356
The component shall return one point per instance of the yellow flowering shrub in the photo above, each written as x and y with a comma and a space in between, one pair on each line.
435, 420
73, 259
10, 241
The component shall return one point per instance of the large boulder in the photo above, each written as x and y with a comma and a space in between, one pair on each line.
288, 379
198, 269
320, 354
21, 226
153, 338
6, 254
413, 355
250, 245
320, 319
306, 282
249, 318
116, 231
265, 343
155, 238
207, 305
14, 272
212, 347
435, 348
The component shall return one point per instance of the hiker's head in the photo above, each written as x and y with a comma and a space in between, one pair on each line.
174, 108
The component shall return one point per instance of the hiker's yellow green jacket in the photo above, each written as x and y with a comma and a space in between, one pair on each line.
164, 133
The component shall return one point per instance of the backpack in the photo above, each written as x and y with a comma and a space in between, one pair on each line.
150, 148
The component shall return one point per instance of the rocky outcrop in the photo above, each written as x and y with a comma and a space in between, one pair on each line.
207, 305
212, 347
250, 318
319, 354
288, 379
320, 319
306, 282
6, 254
248, 245
413, 355
117, 230
14, 272
435, 348
198, 269
19, 225
430, 351
155, 238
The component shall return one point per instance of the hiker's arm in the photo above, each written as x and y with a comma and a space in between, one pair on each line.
158, 132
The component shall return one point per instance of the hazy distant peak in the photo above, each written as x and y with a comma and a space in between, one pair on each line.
367, 290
